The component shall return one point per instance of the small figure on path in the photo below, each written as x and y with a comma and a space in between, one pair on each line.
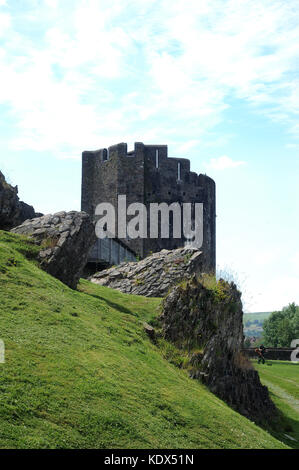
261, 352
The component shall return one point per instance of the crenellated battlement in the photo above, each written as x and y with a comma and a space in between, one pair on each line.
146, 174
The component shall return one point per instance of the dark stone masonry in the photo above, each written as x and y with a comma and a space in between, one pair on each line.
146, 175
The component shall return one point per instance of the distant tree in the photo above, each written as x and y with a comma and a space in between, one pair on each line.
247, 343
282, 327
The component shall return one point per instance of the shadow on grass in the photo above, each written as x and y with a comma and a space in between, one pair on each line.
285, 426
114, 305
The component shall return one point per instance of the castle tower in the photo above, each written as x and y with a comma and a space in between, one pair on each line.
147, 175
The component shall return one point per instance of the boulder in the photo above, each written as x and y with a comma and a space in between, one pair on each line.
150, 331
206, 318
154, 275
65, 239
12, 211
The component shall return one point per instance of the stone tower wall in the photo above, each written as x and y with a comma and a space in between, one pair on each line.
147, 175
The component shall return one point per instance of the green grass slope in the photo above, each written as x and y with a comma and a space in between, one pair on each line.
261, 316
81, 373
282, 380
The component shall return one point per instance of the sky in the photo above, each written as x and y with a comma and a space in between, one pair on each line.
215, 80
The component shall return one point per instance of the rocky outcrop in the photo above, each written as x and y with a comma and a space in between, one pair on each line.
12, 211
65, 239
154, 275
204, 317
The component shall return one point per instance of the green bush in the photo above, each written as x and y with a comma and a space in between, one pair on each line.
282, 327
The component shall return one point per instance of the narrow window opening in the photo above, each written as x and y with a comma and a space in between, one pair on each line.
179, 171
157, 158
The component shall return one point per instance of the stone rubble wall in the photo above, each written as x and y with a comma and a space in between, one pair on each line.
154, 275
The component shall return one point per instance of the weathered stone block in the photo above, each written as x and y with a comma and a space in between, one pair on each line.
65, 239
154, 275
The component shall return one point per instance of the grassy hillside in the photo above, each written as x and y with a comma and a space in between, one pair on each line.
261, 316
282, 379
255, 317
253, 323
80, 371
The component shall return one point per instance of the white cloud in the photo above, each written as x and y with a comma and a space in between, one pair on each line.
112, 70
223, 163
295, 261
5, 23
83, 74
187, 146
51, 3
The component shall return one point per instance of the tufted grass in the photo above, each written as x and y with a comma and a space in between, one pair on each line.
81, 373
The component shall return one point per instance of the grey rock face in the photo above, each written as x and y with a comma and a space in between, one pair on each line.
154, 275
65, 239
12, 211
208, 322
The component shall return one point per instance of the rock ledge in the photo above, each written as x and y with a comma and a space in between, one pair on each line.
205, 318
154, 275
